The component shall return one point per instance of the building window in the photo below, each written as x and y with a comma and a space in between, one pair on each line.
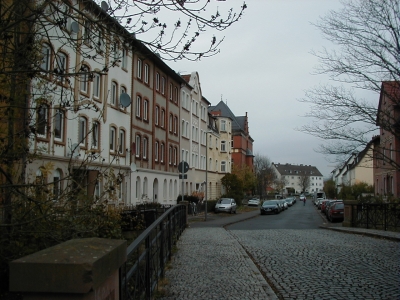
162, 118
121, 148
145, 143
163, 85
146, 73
175, 156
87, 32
157, 81
115, 49
171, 123
223, 146
123, 91
138, 106
175, 125
156, 117
113, 136
175, 94
223, 166
223, 125
145, 110
124, 58
170, 155
138, 145
156, 151
95, 135
56, 184
114, 93
42, 120
46, 52
61, 66
162, 152
82, 131
96, 85
170, 92
183, 128
84, 79
59, 125
139, 68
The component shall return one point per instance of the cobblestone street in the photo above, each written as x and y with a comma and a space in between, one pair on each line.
323, 264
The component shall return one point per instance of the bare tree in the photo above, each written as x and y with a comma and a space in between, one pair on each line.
280, 184
304, 182
265, 174
38, 88
366, 34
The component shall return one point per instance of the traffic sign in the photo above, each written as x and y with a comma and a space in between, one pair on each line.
184, 176
183, 167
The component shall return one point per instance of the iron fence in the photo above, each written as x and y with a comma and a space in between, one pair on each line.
384, 216
149, 253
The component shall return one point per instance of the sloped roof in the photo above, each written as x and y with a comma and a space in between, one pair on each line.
289, 169
237, 122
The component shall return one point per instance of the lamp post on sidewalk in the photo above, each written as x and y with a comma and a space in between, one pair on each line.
206, 190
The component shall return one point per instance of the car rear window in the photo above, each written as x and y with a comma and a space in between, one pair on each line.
339, 206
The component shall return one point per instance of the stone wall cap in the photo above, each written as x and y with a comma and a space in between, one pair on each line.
75, 266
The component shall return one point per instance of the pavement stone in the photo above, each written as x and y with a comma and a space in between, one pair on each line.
214, 263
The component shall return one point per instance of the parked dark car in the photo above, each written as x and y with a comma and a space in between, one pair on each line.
226, 205
289, 201
328, 204
336, 212
270, 207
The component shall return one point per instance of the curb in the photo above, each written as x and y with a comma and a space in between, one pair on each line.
364, 233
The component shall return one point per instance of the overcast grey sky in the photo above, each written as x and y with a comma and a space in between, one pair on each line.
264, 67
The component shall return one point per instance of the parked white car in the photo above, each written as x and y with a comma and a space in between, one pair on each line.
253, 202
226, 205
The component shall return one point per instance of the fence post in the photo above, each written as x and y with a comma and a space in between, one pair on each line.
77, 269
348, 218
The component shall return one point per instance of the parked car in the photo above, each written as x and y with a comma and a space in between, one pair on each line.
225, 205
270, 207
322, 204
336, 212
328, 205
289, 201
253, 202
283, 203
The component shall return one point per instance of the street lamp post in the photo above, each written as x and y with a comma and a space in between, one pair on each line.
206, 190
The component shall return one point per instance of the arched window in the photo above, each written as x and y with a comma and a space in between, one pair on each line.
138, 145
113, 138
59, 125
95, 135
84, 79
82, 131
121, 141
42, 121
56, 183
145, 146
156, 151
114, 94
46, 53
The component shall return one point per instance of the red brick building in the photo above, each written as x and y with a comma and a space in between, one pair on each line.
387, 145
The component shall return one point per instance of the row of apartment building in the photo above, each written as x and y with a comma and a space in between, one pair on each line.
378, 164
108, 110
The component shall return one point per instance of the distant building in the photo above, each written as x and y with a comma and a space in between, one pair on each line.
293, 174
241, 143
387, 145
357, 168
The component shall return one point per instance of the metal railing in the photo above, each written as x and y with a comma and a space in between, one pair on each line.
384, 216
149, 253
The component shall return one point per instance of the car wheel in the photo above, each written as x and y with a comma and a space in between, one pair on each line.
231, 212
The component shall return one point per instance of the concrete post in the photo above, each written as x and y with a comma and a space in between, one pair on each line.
84, 269
348, 212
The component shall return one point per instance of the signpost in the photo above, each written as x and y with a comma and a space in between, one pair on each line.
183, 167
